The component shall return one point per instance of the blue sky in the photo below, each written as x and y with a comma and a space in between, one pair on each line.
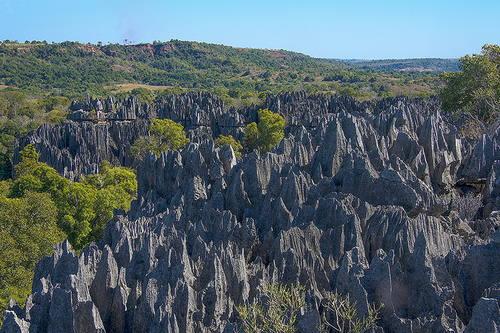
332, 29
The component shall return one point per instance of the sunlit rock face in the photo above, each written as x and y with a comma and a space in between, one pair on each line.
357, 198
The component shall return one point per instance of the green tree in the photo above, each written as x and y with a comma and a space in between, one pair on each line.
28, 230
251, 140
271, 129
476, 88
116, 187
165, 134
229, 140
83, 208
267, 133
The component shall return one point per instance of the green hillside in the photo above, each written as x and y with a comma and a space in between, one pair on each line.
239, 75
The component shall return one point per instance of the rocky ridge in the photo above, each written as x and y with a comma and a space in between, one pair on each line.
357, 198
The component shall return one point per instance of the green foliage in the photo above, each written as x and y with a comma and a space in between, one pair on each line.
341, 315
144, 95
165, 134
28, 230
143, 146
21, 113
116, 187
476, 88
83, 208
418, 66
271, 129
170, 133
277, 314
281, 304
265, 135
251, 140
238, 75
229, 140
5, 187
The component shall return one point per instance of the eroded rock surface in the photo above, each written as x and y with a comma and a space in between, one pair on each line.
357, 198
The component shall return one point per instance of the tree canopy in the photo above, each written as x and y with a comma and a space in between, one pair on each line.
83, 208
229, 140
28, 230
39, 208
165, 134
476, 88
265, 134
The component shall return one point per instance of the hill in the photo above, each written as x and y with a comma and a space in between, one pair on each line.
426, 65
239, 75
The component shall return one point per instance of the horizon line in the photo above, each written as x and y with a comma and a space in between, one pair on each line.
126, 42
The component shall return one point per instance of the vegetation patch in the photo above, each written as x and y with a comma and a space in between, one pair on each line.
165, 134
265, 134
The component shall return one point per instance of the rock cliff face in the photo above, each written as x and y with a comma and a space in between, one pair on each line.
358, 198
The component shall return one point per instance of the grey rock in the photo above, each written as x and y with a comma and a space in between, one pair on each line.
355, 199
13, 324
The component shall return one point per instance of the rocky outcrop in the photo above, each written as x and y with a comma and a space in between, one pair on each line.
356, 198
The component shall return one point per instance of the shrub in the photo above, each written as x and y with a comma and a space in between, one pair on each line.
229, 140
251, 139
165, 134
277, 314
281, 305
170, 134
267, 133
340, 315
271, 129
143, 95
467, 206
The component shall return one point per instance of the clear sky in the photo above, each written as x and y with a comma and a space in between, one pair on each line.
322, 28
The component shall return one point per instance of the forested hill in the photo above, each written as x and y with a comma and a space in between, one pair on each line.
71, 69
429, 65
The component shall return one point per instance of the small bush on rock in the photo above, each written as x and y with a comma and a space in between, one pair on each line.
265, 134
165, 134
229, 140
340, 315
281, 305
467, 206
278, 313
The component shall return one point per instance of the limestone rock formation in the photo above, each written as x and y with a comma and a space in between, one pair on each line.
357, 198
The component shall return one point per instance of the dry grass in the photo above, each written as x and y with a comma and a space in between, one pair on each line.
125, 87
467, 205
